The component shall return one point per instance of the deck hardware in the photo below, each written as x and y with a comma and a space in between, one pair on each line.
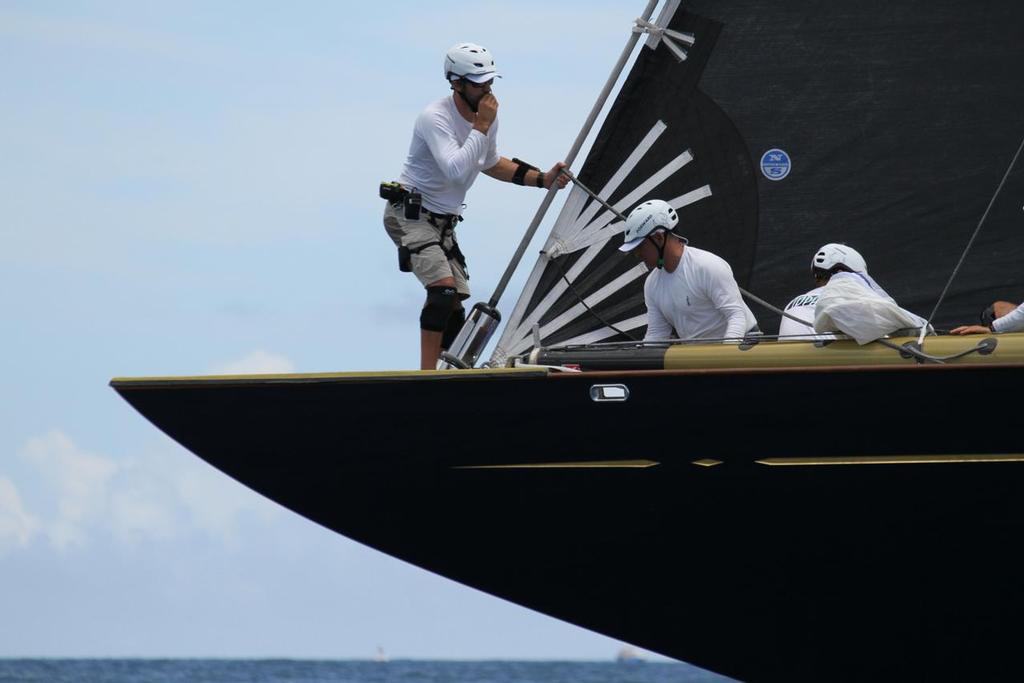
609, 392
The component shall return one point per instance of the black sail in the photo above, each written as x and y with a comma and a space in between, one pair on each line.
897, 120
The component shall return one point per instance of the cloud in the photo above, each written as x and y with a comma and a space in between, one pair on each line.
80, 480
216, 503
84, 497
17, 526
140, 508
257, 362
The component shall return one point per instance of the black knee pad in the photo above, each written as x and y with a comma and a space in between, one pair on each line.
440, 302
451, 330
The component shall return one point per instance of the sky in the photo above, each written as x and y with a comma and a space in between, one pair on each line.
191, 188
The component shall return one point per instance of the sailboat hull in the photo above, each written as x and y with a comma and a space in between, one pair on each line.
856, 523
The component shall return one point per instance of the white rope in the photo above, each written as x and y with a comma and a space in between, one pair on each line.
665, 34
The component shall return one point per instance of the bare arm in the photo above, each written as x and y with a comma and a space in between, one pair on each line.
506, 168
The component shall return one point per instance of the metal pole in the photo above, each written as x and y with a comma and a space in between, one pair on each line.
584, 132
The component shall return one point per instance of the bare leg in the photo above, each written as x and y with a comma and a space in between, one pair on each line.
430, 349
430, 341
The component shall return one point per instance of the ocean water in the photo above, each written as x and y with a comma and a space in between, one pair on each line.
315, 671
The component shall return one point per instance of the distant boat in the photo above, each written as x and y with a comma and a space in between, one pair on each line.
629, 655
380, 656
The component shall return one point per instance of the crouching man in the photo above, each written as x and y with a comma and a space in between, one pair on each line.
850, 301
689, 290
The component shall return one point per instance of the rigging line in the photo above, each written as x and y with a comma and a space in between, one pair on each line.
622, 217
774, 309
970, 242
594, 313
593, 195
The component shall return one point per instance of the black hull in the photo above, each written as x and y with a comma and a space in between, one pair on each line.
901, 570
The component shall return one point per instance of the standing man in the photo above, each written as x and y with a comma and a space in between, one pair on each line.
454, 139
689, 290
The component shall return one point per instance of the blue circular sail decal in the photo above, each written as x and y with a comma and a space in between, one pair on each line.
775, 164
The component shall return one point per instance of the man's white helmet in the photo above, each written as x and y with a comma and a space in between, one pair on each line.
470, 61
832, 255
645, 219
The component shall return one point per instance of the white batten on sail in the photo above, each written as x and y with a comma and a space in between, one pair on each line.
575, 221
659, 159
577, 228
627, 202
617, 227
571, 220
603, 333
668, 10
579, 309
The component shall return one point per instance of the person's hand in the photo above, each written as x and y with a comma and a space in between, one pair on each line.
554, 176
971, 329
486, 112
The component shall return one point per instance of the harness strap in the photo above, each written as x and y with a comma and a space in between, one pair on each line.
447, 229
452, 252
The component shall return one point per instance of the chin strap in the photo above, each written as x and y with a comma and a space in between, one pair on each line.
464, 98
661, 250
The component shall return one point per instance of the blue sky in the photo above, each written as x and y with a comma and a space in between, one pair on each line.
190, 188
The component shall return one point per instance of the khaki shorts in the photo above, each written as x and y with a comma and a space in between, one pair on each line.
431, 264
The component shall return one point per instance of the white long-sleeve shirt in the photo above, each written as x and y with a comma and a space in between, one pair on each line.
699, 299
446, 155
800, 307
1011, 322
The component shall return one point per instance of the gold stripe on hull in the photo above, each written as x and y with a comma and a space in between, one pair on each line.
893, 460
592, 464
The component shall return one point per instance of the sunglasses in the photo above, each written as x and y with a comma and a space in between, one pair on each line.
478, 86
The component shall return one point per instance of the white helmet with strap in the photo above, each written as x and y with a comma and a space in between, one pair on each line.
470, 61
645, 219
832, 255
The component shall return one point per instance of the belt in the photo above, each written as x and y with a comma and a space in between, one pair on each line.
450, 219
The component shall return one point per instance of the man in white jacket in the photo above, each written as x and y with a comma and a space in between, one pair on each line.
830, 258
851, 301
689, 290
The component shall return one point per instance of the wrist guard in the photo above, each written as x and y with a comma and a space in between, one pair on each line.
519, 177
